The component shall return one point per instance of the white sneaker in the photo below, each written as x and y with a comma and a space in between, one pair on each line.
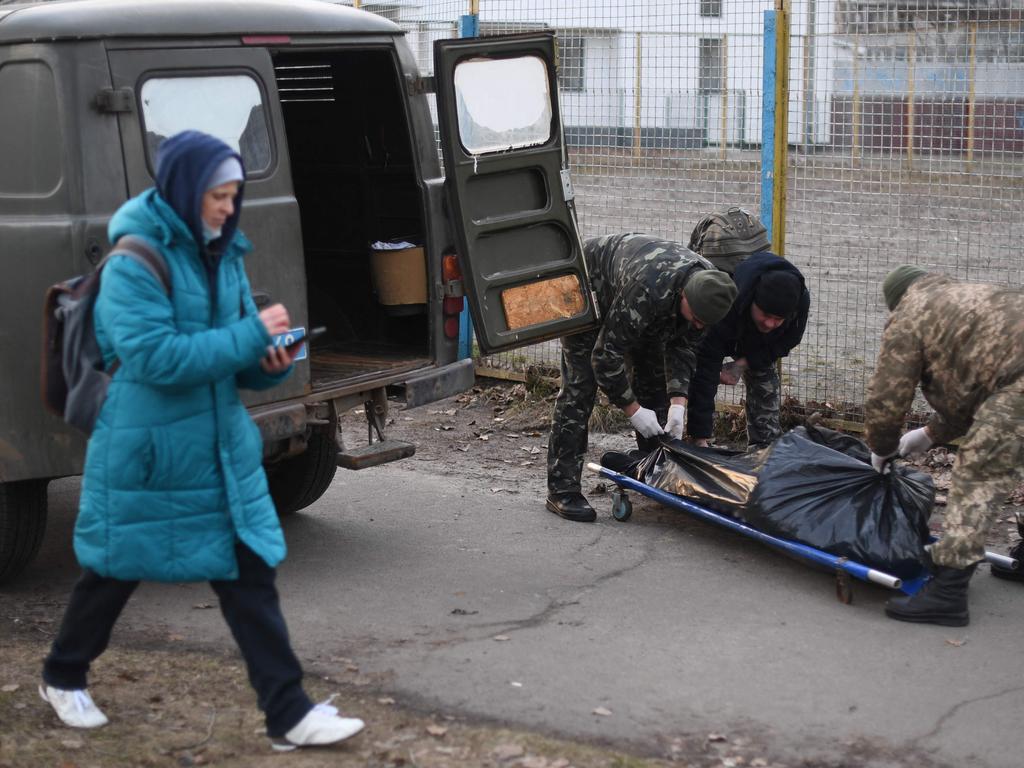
75, 708
320, 726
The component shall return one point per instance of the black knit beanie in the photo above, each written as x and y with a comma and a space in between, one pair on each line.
778, 293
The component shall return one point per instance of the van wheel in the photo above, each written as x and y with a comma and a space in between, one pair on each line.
297, 482
22, 525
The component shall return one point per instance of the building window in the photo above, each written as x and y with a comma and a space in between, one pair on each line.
711, 8
571, 61
712, 69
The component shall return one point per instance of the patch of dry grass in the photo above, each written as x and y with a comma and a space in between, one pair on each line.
181, 708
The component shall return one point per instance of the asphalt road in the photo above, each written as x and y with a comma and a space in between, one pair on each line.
482, 604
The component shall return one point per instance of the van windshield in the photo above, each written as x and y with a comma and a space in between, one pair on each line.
229, 107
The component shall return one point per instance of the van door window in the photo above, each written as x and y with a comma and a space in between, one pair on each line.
229, 107
503, 104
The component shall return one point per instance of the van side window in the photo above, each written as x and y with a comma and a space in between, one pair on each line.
31, 147
229, 107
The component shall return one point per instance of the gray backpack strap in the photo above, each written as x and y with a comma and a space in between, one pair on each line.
139, 251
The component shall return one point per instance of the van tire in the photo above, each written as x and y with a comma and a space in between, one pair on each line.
297, 482
22, 525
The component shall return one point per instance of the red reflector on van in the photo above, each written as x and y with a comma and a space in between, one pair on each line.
453, 305
450, 267
266, 39
451, 327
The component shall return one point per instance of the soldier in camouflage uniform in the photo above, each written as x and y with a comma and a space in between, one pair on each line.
964, 343
655, 298
765, 323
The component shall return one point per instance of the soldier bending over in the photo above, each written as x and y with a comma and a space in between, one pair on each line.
964, 343
656, 297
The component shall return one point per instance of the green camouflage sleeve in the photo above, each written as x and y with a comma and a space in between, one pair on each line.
891, 391
620, 332
681, 360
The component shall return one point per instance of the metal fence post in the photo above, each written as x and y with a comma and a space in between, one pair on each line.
782, 54
911, 92
469, 23
638, 100
855, 141
723, 149
768, 108
469, 26
775, 128
972, 58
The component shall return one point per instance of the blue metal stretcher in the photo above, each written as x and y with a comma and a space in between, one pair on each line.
844, 568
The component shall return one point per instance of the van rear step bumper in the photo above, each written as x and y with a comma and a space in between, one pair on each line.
439, 383
375, 454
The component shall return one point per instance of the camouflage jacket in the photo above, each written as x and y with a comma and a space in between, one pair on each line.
638, 280
961, 341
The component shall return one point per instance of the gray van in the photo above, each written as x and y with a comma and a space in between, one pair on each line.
334, 121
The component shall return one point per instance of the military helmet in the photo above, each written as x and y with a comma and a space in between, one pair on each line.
727, 237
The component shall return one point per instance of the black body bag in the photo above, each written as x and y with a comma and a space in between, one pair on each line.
812, 485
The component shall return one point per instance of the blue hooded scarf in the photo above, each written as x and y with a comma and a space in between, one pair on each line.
184, 164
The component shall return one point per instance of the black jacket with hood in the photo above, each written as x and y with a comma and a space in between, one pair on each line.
737, 336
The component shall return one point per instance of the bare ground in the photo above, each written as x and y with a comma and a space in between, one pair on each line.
173, 703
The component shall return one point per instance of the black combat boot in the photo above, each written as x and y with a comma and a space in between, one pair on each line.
1008, 573
942, 600
572, 506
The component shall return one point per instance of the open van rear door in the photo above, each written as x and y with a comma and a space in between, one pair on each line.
509, 191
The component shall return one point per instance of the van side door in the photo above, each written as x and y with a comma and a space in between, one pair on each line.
229, 92
509, 192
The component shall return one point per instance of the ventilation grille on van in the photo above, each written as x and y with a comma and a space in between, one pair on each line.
305, 82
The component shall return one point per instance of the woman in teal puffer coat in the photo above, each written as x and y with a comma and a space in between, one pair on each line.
174, 487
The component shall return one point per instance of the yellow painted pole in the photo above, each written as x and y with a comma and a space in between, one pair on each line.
781, 127
855, 148
357, 3
724, 142
911, 56
638, 85
971, 95
806, 133
474, 7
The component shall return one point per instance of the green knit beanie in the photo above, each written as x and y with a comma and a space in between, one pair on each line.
897, 282
710, 294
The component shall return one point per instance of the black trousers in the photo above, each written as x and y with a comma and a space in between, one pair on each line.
250, 607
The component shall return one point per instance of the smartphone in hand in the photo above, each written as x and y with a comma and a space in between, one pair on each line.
296, 345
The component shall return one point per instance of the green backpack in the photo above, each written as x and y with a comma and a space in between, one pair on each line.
725, 238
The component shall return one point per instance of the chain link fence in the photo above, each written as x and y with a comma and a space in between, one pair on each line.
905, 142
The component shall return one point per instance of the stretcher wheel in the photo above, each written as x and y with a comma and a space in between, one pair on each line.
622, 507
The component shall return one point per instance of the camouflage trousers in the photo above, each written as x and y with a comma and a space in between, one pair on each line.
989, 465
567, 444
762, 406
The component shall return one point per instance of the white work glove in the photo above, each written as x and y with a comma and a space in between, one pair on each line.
915, 441
645, 421
676, 421
881, 463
